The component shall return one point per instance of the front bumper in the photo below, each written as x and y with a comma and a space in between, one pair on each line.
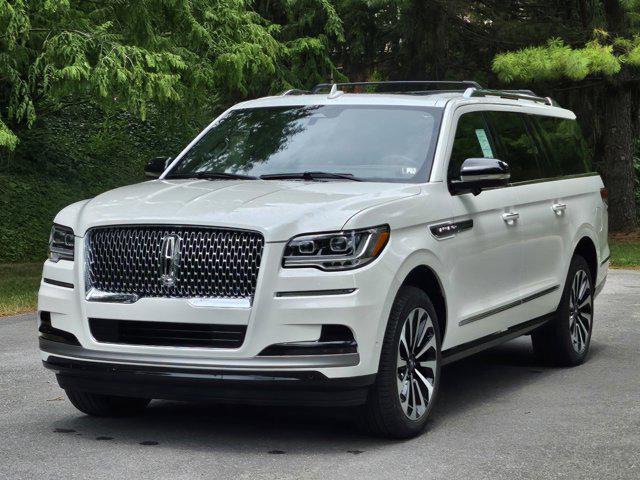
264, 387
290, 306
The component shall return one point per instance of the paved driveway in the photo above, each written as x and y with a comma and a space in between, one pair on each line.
500, 415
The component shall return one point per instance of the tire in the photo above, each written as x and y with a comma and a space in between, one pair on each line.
386, 414
106, 405
565, 340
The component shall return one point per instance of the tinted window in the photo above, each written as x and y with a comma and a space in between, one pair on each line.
472, 141
393, 144
565, 144
515, 145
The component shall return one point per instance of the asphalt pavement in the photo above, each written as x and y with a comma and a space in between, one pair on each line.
500, 415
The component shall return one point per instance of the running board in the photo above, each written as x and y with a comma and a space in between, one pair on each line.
456, 353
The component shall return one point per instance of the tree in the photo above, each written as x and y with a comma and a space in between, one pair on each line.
195, 55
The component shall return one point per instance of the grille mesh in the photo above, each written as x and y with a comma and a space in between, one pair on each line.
213, 263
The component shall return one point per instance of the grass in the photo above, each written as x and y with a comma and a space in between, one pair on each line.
625, 250
19, 284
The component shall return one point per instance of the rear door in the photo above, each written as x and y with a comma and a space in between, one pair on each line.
540, 205
573, 197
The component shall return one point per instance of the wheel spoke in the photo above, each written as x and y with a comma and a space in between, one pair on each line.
585, 291
403, 345
426, 382
585, 302
409, 332
429, 365
430, 344
583, 330
423, 326
574, 291
581, 338
422, 405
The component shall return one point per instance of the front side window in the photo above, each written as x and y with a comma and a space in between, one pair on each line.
516, 146
472, 140
375, 143
565, 143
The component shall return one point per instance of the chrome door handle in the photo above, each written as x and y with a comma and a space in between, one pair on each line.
559, 208
510, 217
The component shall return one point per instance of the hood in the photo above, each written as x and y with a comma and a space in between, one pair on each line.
278, 209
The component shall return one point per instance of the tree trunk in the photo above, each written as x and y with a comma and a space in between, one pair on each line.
618, 159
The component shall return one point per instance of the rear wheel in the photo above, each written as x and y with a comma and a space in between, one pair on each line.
565, 340
106, 405
406, 386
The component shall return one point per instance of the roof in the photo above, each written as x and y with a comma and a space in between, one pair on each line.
433, 99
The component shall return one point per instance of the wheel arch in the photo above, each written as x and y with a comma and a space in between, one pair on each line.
426, 279
585, 246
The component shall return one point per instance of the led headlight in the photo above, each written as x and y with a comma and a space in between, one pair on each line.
61, 243
336, 250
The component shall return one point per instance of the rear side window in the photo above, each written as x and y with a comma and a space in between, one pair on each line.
565, 144
472, 141
516, 145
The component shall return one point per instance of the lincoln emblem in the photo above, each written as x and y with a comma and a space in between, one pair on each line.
169, 259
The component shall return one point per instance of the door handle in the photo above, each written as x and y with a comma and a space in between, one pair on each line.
559, 208
511, 217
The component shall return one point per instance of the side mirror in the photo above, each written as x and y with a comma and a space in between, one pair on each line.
156, 166
477, 174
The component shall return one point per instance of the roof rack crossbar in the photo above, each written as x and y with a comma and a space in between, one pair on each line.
508, 94
462, 85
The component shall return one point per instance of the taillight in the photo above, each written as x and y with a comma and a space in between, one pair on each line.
604, 193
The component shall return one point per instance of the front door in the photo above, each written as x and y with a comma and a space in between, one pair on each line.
484, 250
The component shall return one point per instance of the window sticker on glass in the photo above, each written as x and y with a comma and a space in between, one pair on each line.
484, 143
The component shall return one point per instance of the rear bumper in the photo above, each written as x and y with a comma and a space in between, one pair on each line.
263, 386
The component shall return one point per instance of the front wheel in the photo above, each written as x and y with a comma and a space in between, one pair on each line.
565, 340
406, 387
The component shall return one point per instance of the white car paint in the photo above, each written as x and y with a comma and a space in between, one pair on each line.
492, 265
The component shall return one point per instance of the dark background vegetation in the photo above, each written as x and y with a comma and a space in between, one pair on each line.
71, 128
72, 155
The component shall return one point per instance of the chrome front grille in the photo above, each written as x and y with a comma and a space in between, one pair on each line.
207, 262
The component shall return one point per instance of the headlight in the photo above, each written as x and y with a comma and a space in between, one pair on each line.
61, 243
336, 250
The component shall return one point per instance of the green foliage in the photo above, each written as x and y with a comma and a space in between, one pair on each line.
556, 60
72, 155
636, 166
193, 54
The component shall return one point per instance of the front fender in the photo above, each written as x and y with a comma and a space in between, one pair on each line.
420, 258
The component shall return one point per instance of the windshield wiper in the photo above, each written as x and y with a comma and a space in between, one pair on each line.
310, 176
213, 176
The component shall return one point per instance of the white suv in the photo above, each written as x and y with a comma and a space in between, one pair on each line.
331, 248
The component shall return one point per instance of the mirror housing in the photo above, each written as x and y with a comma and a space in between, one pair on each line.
477, 174
156, 166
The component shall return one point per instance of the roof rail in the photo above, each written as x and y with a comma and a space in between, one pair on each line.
458, 86
295, 91
509, 94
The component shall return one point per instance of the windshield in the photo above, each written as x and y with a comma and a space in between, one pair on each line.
375, 143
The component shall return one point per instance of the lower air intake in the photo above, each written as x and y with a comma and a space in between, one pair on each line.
167, 334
